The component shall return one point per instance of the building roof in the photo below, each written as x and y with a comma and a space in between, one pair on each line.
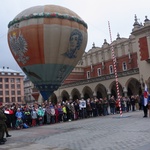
8, 70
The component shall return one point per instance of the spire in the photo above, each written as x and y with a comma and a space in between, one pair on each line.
105, 44
105, 41
146, 19
136, 23
118, 36
93, 45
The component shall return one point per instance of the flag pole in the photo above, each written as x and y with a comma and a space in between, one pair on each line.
115, 70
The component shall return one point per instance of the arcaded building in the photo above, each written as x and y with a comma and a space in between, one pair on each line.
11, 86
94, 74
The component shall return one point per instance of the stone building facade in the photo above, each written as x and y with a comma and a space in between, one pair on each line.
11, 86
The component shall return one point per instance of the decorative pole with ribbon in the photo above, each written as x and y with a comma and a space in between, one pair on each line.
115, 70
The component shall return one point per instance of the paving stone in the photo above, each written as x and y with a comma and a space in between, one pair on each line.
112, 132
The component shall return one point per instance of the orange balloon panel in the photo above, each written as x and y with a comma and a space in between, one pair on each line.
32, 45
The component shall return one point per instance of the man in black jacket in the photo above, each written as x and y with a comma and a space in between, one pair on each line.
2, 125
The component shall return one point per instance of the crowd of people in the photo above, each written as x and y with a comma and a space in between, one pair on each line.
19, 116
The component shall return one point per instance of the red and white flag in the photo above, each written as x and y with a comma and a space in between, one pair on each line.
145, 95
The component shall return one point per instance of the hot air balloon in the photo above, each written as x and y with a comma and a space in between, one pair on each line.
47, 42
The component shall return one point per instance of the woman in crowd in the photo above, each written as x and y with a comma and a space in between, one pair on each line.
40, 114
34, 117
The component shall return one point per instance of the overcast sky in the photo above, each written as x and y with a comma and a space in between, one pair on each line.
96, 13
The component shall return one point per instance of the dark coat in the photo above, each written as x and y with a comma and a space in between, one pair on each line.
3, 118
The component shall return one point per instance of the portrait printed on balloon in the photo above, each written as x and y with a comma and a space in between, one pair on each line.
75, 42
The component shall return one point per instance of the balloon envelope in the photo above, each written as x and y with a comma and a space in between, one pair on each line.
47, 42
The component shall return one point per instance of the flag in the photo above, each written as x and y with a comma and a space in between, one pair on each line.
145, 95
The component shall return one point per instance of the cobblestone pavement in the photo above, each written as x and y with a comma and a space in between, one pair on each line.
112, 132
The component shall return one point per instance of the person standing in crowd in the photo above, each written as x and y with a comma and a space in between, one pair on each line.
89, 108
19, 113
128, 104
82, 107
44, 117
48, 114
56, 114
68, 110
7, 112
118, 105
133, 102
145, 98
34, 117
137, 100
60, 113
12, 116
27, 117
100, 107
93, 106
72, 108
105, 106
76, 106
2, 125
52, 113
122, 103
64, 112
40, 114
112, 104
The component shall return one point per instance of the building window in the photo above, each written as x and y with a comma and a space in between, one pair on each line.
1, 92
7, 99
6, 79
111, 70
18, 80
12, 92
1, 99
99, 71
12, 86
18, 86
19, 99
88, 74
6, 86
19, 92
0, 79
124, 66
13, 99
12, 80
7, 92
1, 86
